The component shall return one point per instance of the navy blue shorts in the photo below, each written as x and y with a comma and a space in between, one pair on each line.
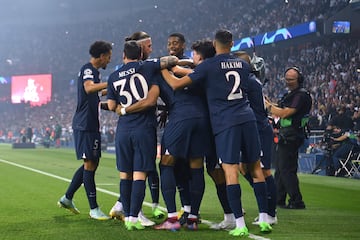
239, 140
87, 145
136, 150
266, 139
186, 139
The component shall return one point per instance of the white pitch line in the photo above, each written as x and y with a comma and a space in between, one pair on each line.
109, 192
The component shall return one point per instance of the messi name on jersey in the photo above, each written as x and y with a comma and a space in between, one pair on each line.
227, 65
127, 72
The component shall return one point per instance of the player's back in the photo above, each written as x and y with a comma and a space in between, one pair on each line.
183, 104
130, 84
225, 80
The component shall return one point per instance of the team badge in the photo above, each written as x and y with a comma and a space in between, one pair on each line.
88, 73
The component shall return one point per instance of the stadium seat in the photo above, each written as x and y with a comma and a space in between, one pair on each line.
350, 165
355, 165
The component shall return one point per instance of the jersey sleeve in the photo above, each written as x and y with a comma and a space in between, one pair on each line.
198, 76
87, 74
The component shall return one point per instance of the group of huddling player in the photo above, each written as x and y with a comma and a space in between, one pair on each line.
214, 114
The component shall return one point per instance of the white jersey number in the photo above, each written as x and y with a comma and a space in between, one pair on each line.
133, 90
236, 92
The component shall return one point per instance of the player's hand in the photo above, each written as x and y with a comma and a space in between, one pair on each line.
118, 109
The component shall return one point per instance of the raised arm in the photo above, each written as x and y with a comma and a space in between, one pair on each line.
181, 71
175, 82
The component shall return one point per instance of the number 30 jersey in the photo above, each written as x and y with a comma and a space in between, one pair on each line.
130, 84
225, 79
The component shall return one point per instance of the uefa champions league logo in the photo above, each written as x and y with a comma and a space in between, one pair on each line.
280, 34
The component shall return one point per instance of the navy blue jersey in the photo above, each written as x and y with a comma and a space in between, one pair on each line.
184, 103
130, 84
86, 117
225, 78
256, 99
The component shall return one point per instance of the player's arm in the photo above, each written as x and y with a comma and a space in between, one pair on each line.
186, 62
111, 105
91, 87
278, 111
181, 71
175, 82
168, 61
141, 105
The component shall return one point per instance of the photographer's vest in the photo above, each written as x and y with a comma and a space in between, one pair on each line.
295, 122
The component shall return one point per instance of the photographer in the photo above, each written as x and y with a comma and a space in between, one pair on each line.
293, 111
342, 144
329, 146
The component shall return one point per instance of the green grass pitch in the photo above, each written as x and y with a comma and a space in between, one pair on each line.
32, 181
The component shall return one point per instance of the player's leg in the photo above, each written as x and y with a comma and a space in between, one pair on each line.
228, 146
91, 155
144, 157
218, 176
251, 157
66, 201
198, 144
266, 139
197, 188
168, 190
182, 176
153, 181
125, 192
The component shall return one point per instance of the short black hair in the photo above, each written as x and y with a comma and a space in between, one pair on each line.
99, 47
204, 47
224, 36
178, 35
132, 50
137, 36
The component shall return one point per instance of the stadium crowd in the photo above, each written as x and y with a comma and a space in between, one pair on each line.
330, 66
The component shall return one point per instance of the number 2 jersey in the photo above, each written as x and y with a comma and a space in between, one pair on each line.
225, 79
130, 84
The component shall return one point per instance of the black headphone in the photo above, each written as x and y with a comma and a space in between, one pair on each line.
300, 75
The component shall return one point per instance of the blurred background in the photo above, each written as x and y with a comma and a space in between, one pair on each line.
44, 43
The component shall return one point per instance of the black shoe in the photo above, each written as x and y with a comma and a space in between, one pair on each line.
183, 218
300, 205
